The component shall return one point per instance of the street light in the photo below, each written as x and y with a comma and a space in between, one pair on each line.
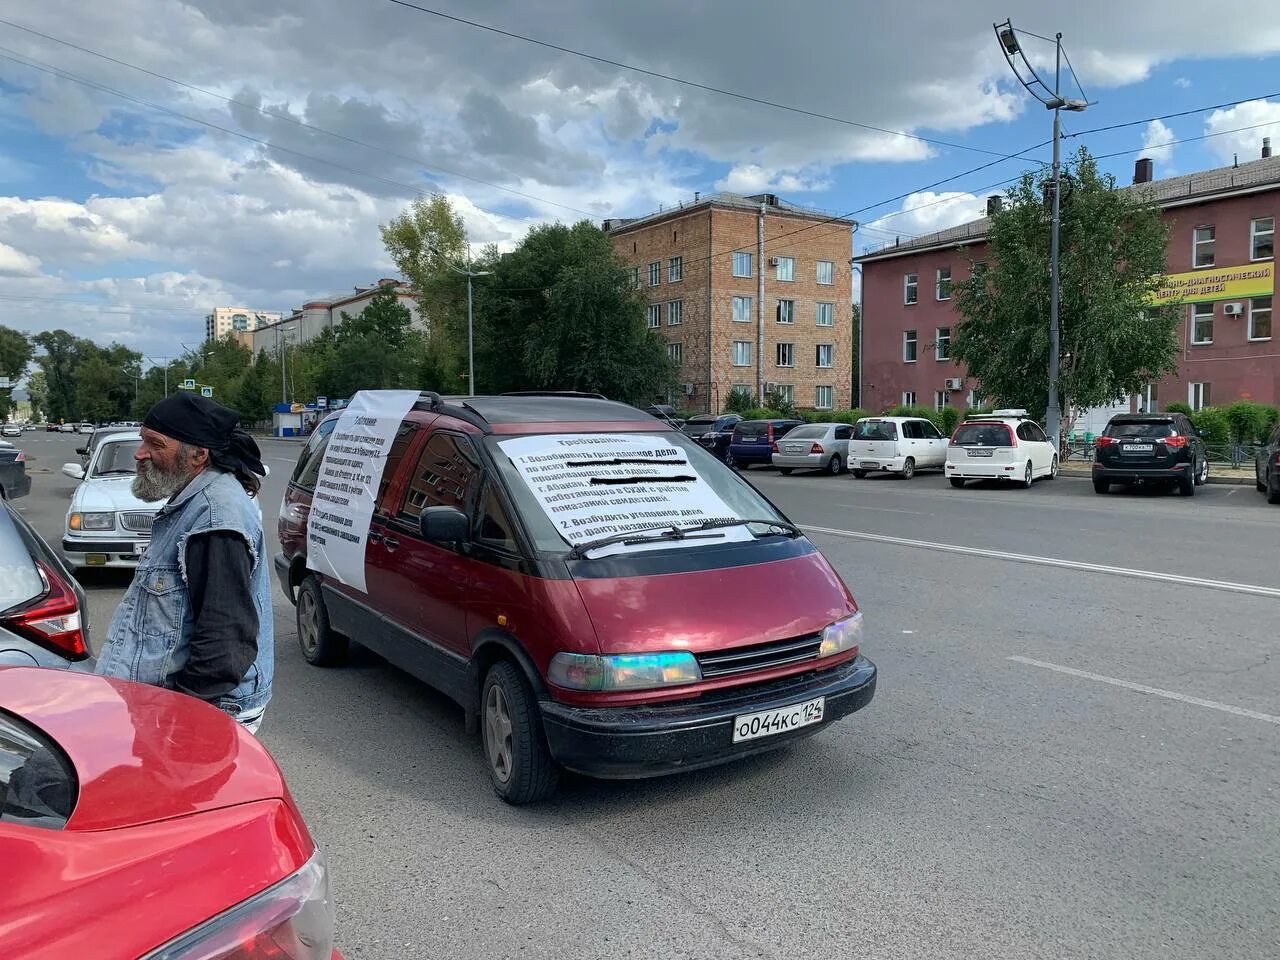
166, 360
471, 343
1053, 100
281, 347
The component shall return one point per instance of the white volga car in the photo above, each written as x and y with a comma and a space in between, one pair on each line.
1004, 445
107, 526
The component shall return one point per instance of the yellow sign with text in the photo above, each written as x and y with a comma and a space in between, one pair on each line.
1218, 283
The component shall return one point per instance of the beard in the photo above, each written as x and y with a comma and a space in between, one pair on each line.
156, 483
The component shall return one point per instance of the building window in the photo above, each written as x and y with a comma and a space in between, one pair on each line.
786, 355
910, 288
653, 315
745, 389
1202, 323
675, 353
1260, 318
942, 345
635, 277
675, 269
786, 268
826, 272
942, 284
825, 355
1203, 246
823, 398
742, 353
1198, 395
786, 311
741, 309
1262, 238
655, 273
909, 346
825, 314
941, 399
675, 313
908, 398
973, 399
741, 264
786, 392
978, 269
1149, 399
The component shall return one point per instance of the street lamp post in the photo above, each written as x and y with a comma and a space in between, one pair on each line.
471, 342
281, 347
1053, 100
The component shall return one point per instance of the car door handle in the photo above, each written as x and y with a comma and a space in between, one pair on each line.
390, 542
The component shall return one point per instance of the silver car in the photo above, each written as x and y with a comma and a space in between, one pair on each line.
814, 446
42, 608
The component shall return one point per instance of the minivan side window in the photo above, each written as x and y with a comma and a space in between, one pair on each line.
1024, 431
399, 446
911, 430
929, 431
444, 476
493, 527
307, 471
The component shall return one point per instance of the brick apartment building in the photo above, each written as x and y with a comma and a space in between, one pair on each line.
750, 293
1220, 263
306, 322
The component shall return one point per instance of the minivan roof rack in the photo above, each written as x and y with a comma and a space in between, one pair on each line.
554, 393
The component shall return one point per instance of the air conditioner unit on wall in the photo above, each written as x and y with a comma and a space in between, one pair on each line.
1233, 309
688, 389
955, 383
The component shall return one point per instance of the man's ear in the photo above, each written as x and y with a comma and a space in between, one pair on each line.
200, 457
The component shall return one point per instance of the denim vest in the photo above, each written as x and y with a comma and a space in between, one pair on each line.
150, 635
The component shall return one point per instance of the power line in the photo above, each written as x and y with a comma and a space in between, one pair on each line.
695, 84
1205, 136
288, 119
1173, 116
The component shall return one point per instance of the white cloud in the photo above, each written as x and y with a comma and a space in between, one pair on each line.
1242, 128
753, 178
1182, 82
925, 212
1156, 143
15, 263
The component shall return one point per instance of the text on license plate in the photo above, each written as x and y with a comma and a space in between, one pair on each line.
767, 723
871, 464
1139, 447
980, 453
140, 548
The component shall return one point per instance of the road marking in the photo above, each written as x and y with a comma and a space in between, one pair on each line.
281, 460
1228, 585
863, 506
1154, 691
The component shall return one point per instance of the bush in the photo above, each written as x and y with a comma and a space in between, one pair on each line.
1213, 423
775, 401
739, 401
950, 420
1177, 407
1249, 422
936, 416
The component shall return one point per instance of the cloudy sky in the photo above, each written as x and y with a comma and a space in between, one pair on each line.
160, 157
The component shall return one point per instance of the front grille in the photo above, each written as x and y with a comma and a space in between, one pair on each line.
137, 521
779, 653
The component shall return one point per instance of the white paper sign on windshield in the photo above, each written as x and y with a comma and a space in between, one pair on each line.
598, 485
347, 487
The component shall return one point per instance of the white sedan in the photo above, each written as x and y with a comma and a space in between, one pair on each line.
1004, 445
107, 526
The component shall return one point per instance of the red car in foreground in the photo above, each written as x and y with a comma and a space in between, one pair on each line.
137, 822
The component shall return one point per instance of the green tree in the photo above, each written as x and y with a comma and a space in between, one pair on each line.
38, 393
385, 318
102, 390
62, 355
1111, 262
15, 354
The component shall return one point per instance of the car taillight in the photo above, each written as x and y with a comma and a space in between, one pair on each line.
20, 458
1175, 441
1105, 442
774, 446
816, 448
291, 921
52, 619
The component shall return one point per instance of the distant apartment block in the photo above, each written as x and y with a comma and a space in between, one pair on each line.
307, 321
225, 320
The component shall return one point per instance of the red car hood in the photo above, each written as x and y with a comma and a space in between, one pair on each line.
141, 754
715, 609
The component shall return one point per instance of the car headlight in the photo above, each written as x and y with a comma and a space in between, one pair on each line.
639, 671
92, 521
841, 636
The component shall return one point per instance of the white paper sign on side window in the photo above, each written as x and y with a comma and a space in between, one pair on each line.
347, 487
599, 485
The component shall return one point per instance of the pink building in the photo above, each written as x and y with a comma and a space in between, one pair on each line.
1221, 266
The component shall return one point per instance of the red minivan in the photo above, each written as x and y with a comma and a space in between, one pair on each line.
658, 647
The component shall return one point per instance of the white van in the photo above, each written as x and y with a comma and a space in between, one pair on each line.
896, 444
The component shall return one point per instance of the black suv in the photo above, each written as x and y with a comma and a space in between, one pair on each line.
1267, 467
1144, 447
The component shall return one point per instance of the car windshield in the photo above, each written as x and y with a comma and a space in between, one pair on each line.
750, 429
875, 430
982, 435
667, 480
1148, 429
810, 431
116, 459
37, 782
697, 426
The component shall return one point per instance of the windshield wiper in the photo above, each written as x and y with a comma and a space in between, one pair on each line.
660, 533
115, 473
790, 528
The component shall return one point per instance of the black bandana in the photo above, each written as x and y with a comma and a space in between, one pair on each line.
200, 422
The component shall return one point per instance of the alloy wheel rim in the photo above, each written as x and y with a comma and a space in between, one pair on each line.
307, 628
1027, 478
497, 733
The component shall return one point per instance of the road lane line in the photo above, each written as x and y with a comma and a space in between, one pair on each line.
1154, 691
863, 506
1228, 585
281, 460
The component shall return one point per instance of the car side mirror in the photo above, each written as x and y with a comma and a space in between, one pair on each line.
83, 451
444, 525
73, 470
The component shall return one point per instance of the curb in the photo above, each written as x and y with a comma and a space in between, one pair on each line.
1074, 471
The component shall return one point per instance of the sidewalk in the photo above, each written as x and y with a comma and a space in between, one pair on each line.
1217, 472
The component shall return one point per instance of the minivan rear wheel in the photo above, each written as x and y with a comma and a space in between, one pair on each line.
908, 468
321, 645
520, 766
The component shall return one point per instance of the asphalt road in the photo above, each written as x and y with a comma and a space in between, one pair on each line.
1072, 753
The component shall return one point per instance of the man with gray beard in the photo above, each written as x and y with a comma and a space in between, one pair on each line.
197, 616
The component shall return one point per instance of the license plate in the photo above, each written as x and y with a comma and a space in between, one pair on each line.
140, 548
1138, 447
795, 449
768, 723
980, 453
870, 465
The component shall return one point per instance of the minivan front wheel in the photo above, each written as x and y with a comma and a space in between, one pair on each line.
321, 645
520, 766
